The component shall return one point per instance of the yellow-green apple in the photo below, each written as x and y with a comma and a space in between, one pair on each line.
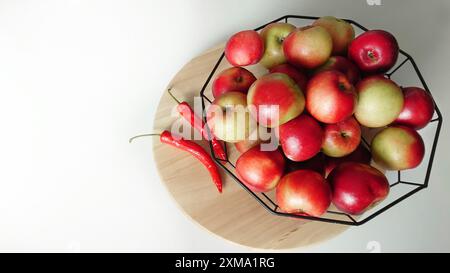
232, 79
341, 138
294, 73
273, 36
228, 117
275, 99
360, 155
397, 148
260, 170
342, 32
343, 65
317, 164
304, 192
244, 48
374, 51
308, 47
418, 108
330, 97
356, 187
380, 101
301, 138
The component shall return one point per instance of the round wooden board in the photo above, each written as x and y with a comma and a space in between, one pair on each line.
233, 215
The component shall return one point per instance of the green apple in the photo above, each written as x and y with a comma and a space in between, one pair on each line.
273, 36
380, 101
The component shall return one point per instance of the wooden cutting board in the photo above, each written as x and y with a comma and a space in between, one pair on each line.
233, 215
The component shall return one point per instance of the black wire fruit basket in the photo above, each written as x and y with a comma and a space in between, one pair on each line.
402, 183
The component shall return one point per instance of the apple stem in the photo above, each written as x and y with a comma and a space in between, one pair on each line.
143, 135
173, 97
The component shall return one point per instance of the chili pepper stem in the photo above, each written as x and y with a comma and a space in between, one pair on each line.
173, 97
143, 135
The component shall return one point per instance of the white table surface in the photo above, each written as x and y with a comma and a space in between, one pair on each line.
79, 77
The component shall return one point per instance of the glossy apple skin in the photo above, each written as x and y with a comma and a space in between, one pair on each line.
229, 127
380, 101
342, 32
360, 155
398, 148
418, 108
330, 97
273, 36
343, 65
341, 138
301, 138
260, 170
303, 191
308, 47
275, 89
236, 79
356, 187
244, 48
317, 164
374, 51
294, 73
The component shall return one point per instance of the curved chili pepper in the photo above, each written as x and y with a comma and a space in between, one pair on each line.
198, 152
196, 122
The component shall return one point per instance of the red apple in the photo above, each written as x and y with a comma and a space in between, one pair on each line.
343, 65
374, 51
317, 164
380, 101
341, 138
244, 48
342, 32
330, 97
360, 155
229, 119
295, 74
273, 36
398, 148
418, 108
276, 99
308, 47
301, 138
236, 79
356, 187
303, 191
260, 170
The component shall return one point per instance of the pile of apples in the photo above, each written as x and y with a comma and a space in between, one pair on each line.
327, 84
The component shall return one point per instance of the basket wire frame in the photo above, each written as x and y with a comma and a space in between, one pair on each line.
270, 205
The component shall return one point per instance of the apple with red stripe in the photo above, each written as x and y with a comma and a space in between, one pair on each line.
330, 97
236, 79
357, 187
308, 47
418, 108
275, 99
304, 192
341, 138
260, 170
273, 36
301, 138
244, 48
342, 32
398, 148
300, 79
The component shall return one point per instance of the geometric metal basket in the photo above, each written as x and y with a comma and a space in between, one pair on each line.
401, 186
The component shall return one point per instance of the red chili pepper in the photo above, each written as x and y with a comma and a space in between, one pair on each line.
196, 122
197, 151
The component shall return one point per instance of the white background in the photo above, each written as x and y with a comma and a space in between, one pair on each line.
78, 78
